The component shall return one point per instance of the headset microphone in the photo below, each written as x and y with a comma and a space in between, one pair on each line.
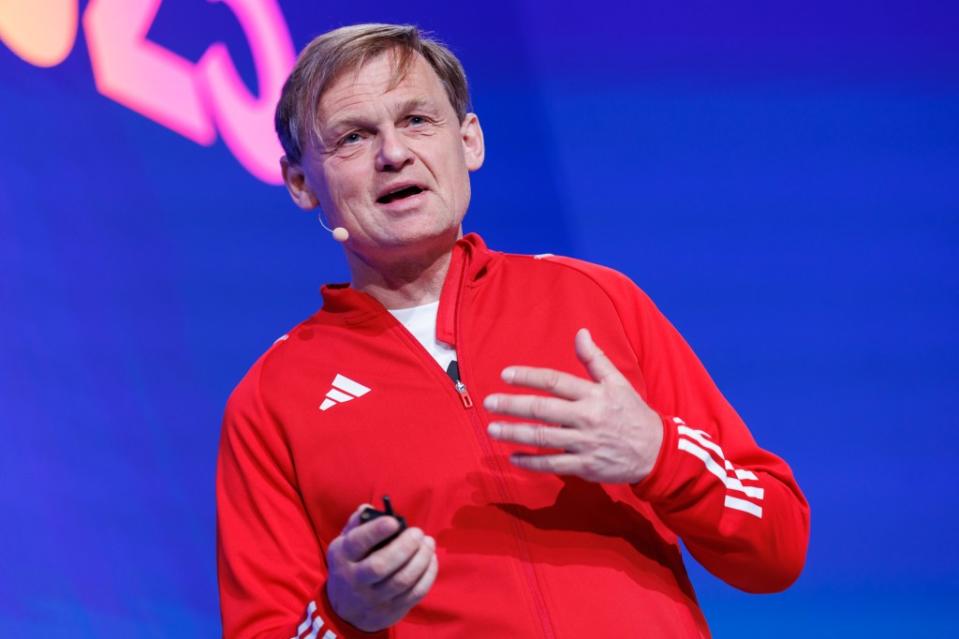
340, 234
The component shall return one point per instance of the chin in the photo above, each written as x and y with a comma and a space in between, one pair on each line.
420, 230
409, 240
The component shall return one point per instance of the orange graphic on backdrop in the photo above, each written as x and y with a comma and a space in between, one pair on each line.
42, 32
196, 100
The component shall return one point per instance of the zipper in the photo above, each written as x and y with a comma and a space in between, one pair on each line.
462, 392
532, 581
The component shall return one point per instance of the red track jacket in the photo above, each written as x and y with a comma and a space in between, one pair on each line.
348, 407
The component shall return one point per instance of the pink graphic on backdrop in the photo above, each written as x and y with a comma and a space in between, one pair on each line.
195, 100
246, 121
140, 74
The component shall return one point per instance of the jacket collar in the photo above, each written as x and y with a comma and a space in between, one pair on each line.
470, 261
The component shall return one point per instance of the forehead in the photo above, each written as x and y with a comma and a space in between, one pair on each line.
379, 82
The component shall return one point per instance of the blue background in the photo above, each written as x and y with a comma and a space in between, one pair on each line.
782, 178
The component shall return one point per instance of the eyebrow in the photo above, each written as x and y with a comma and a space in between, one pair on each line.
414, 104
358, 122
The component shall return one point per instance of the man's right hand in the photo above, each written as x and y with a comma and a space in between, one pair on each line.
374, 592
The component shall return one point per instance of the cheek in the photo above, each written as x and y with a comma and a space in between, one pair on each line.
346, 185
460, 177
454, 164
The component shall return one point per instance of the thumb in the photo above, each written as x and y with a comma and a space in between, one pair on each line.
354, 519
595, 361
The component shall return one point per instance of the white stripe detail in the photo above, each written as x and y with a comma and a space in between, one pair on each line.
310, 609
338, 396
745, 506
702, 437
706, 458
540, 256
327, 403
722, 472
730, 482
740, 473
348, 385
317, 624
746, 474
329, 634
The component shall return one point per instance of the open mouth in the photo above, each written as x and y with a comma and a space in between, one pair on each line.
399, 194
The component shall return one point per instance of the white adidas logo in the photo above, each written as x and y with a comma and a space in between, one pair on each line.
344, 389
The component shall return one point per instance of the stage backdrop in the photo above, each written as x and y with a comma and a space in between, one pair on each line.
780, 177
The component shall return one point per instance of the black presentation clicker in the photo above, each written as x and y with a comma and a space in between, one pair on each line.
369, 514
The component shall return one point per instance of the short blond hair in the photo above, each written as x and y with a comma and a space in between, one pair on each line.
335, 52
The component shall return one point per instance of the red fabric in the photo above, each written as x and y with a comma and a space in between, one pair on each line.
520, 554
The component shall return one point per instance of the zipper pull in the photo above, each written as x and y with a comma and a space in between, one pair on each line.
453, 370
464, 394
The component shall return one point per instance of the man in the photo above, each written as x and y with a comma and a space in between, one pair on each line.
545, 481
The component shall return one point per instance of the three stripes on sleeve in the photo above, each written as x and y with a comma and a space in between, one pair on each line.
311, 626
739, 496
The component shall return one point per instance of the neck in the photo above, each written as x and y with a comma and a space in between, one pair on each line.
411, 281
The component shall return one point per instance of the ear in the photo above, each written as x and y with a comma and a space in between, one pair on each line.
295, 180
473, 146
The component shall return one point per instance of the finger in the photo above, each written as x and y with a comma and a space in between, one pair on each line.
563, 464
336, 548
546, 379
354, 519
411, 597
595, 361
536, 435
358, 542
409, 573
535, 407
387, 560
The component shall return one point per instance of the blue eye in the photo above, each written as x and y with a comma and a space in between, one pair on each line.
417, 119
351, 138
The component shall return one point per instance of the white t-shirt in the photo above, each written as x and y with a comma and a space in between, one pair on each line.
421, 322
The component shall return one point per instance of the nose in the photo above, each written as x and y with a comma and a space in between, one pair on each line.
393, 153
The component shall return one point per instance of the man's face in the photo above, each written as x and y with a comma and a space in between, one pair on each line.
393, 160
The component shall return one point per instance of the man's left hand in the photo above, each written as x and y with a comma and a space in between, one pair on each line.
605, 430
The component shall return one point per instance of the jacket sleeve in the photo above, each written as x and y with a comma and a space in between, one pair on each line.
271, 567
736, 506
